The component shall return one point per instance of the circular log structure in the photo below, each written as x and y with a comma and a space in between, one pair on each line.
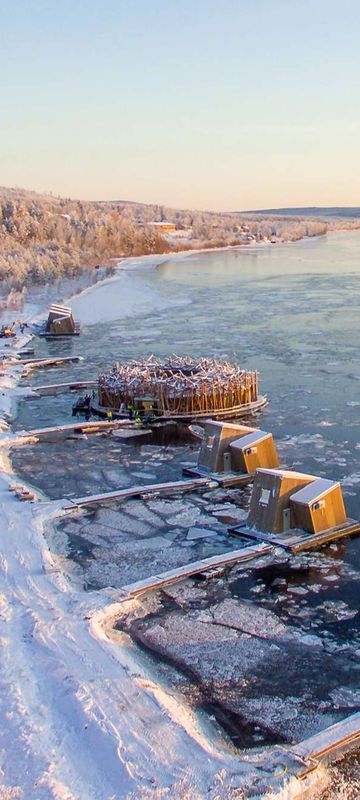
180, 388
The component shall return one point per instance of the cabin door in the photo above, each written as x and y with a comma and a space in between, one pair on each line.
286, 519
227, 462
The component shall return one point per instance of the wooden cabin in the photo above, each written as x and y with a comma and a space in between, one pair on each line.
270, 509
318, 506
283, 500
215, 452
231, 453
295, 511
252, 450
60, 322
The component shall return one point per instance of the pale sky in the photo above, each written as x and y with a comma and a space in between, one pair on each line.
216, 104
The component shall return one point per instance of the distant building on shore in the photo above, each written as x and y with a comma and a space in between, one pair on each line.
163, 227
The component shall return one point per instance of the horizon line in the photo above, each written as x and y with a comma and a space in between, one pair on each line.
268, 210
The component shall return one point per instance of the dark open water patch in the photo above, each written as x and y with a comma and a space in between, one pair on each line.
98, 463
265, 674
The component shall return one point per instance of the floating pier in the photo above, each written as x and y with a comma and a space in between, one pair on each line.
138, 491
156, 582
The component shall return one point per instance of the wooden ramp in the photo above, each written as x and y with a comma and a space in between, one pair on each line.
224, 479
56, 388
195, 568
323, 746
297, 540
137, 491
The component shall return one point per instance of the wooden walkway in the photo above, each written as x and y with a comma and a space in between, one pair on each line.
224, 479
156, 582
137, 491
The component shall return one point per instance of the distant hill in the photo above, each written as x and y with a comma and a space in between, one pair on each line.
310, 211
44, 238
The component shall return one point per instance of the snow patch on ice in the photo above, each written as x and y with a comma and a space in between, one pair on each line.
116, 298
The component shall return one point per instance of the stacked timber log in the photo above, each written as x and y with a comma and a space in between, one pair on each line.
179, 385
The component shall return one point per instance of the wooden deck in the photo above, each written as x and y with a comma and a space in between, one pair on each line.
137, 491
224, 413
297, 540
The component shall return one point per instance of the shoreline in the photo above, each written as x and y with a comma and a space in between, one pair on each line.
182, 255
136, 295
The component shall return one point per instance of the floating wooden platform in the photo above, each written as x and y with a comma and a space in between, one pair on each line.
224, 479
137, 491
195, 568
235, 412
323, 746
47, 335
297, 540
55, 388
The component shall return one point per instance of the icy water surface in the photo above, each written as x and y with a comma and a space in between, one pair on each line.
292, 312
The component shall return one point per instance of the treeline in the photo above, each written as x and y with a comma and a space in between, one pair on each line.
43, 238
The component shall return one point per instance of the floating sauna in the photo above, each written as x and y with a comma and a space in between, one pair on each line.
232, 453
180, 388
295, 510
60, 322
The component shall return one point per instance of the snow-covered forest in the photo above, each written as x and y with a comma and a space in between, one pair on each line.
44, 237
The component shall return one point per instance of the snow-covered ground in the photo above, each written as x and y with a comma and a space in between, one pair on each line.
82, 716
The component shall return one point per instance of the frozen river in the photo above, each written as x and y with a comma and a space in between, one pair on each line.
292, 313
